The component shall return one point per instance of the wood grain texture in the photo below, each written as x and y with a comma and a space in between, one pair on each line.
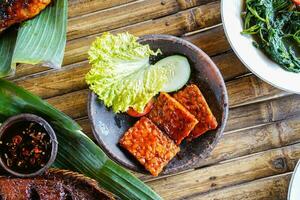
184, 4
250, 89
56, 82
138, 11
120, 16
255, 139
176, 24
263, 112
271, 188
76, 50
229, 65
261, 165
74, 104
80, 7
212, 41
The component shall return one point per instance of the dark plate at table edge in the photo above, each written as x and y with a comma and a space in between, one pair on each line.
220, 131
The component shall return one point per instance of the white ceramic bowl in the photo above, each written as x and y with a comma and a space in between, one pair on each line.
294, 191
254, 59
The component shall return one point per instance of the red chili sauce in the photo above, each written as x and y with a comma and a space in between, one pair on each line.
25, 147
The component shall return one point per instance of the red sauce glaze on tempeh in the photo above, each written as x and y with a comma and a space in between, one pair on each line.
149, 145
193, 100
171, 117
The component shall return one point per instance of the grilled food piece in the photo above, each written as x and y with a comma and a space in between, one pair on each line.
149, 145
193, 100
16, 11
171, 117
54, 185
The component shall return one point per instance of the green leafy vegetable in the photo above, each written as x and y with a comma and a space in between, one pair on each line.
42, 40
75, 151
276, 23
121, 74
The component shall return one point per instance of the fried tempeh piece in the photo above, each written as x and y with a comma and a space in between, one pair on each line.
149, 145
171, 117
16, 11
193, 100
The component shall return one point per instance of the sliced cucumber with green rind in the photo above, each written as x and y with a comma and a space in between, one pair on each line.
181, 72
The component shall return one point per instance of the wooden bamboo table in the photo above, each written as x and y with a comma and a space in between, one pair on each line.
260, 148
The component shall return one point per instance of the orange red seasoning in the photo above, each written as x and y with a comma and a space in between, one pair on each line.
171, 117
149, 145
193, 100
154, 141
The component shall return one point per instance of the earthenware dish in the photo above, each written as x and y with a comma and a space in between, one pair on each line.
108, 127
31, 118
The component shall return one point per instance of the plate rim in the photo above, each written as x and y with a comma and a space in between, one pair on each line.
244, 62
297, 167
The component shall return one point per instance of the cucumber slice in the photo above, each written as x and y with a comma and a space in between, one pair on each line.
181, 71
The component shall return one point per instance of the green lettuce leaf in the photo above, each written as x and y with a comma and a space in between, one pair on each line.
121, 74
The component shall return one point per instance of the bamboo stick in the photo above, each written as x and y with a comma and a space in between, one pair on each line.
117, 17
80, 7
256, 166
76, 50
271, 188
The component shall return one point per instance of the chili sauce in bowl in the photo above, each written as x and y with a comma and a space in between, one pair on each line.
28, 145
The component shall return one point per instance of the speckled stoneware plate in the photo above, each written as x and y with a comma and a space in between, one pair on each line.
254, 59
108, 127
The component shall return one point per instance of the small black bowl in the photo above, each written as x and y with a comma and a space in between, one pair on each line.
109, 127
8, 125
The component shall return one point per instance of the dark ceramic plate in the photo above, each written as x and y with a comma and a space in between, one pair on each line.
108, 127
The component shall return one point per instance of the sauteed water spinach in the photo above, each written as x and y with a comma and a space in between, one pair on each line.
276, 27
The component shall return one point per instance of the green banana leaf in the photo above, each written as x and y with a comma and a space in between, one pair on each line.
75, 151
41, 40
7, 44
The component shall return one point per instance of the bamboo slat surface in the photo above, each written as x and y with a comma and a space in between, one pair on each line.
261, 143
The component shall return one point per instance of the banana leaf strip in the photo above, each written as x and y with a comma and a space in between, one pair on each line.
7, 44
42, 40
76, 151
